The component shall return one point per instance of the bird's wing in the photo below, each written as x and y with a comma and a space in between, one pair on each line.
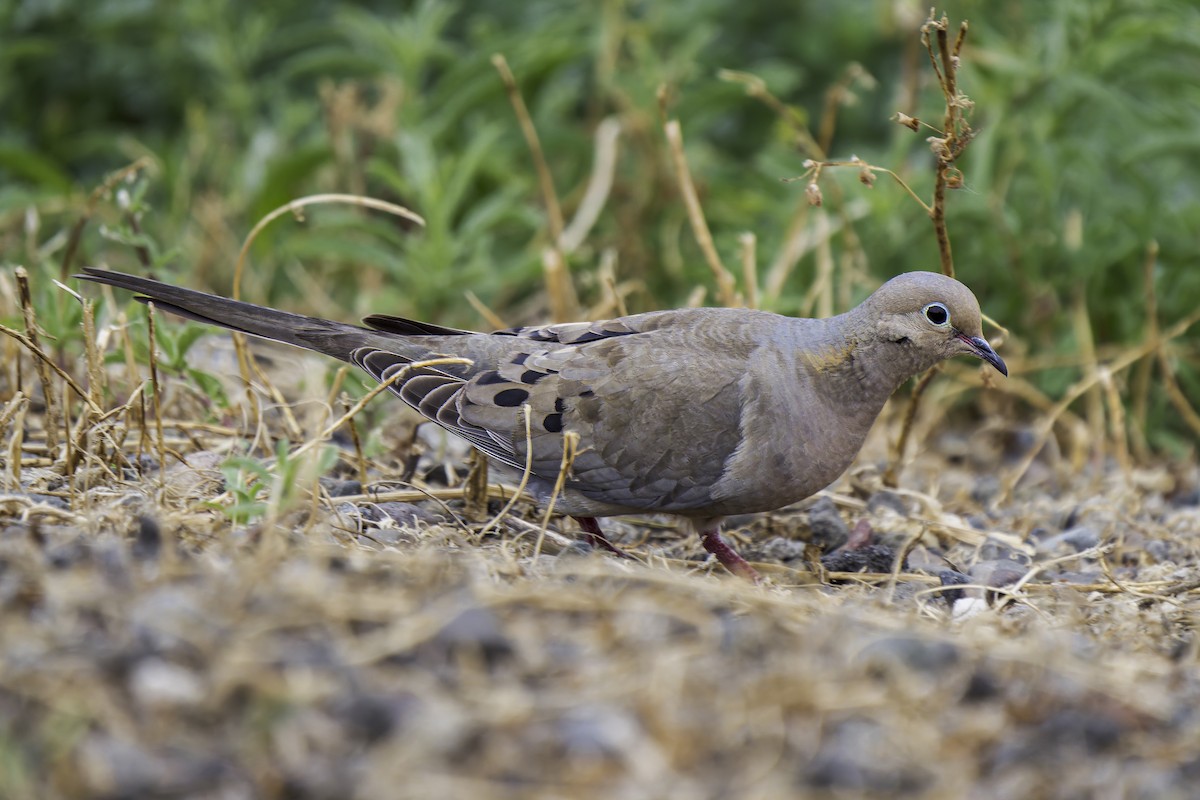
656, 401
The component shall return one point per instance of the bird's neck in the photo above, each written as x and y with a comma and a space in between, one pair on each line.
868, 365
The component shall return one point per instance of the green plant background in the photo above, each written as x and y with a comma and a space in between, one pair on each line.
1088, 119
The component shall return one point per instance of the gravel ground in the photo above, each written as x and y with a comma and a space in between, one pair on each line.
943, 639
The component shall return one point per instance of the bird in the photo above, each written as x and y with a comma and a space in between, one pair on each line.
702, 413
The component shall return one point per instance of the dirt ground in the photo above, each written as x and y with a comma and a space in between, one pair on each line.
948, 638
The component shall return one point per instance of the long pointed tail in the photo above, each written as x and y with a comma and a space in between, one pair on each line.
335, 339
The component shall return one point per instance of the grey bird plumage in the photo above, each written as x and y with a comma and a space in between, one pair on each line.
701, 412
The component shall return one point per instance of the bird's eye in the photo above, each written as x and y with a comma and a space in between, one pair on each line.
937, 314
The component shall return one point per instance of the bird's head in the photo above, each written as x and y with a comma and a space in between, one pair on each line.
930, 317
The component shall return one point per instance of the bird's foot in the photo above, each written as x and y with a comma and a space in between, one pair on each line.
732, 561
596, 538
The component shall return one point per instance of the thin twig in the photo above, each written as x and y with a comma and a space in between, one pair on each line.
891, 476
570, 442
44, 363
526, 413
748, 243
156, 393
604, 167
545, 179
726, 288
1140, 388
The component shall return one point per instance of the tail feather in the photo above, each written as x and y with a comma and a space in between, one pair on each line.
335, 339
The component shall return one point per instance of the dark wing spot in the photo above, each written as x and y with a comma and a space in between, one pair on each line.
542, 336
519, 358
490, 377
560, 405
532, 376
587, 393
553, 423
511, 398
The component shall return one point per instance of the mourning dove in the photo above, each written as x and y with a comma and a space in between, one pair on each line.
700, 412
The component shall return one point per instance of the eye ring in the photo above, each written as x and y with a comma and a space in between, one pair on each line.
937, 314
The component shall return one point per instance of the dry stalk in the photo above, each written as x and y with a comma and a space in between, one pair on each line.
496, 491
43, 364
1116, 421
616, 292
335, 389
891, 476
360, 462
564, 301
1175, 394
494, 320
1141, 377
131, 366
898, 564
67, 462
475, 487
595, 197
14, 413
1094, 408
289, 419
822, 287
156, 395
545, 179
726, 287
95, 364
956, 133
749, 245
570, 449
527, 413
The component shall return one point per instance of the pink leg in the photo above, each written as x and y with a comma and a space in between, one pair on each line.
596, 538
710, 537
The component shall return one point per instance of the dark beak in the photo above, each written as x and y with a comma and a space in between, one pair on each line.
981, 348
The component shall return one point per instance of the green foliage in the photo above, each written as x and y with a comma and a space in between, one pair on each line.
246, 481
258, 490
1086, 149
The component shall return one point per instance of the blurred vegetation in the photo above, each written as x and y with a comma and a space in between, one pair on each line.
1086, 111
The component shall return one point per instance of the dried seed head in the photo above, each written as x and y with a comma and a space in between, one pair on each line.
938, 146
954, 179
813, 193
912, 123
866, 177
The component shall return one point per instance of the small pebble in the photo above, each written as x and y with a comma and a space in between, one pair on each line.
997, 573
160, 684
829, 530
